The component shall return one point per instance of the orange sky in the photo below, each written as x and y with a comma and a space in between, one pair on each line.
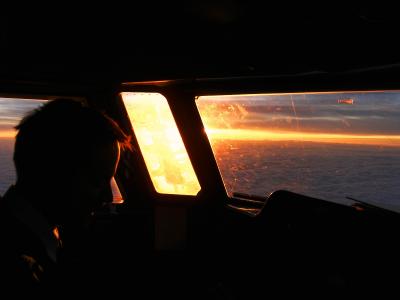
7, 133
312, 117
268, 135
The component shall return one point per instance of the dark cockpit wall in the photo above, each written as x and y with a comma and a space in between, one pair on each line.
197, 245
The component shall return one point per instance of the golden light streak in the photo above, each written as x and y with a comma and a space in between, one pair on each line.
7, 133
266, 135
224, 119
161, 144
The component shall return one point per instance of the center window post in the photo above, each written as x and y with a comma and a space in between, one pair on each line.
189, 122
168, 164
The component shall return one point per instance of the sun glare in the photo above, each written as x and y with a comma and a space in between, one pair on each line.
271, 118
7, 133
161, 144
266, 135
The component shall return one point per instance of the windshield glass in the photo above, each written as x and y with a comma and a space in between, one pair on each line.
12, 110
332, 146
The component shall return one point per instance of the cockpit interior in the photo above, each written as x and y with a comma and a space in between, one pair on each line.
265, 142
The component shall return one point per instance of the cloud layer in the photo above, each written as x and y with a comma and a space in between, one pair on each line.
370, 113
12, 110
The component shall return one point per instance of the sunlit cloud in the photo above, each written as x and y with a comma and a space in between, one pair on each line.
11, 112
372, 117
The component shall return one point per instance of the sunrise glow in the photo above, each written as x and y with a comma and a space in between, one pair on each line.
265, 135
311, 117
161, 144
7, 133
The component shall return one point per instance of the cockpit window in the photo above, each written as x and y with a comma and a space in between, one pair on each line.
333, 146
12, 110
160, 142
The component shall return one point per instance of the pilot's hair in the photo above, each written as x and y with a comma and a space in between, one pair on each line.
60, 135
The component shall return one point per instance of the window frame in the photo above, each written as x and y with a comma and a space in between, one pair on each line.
190, 127
182, 94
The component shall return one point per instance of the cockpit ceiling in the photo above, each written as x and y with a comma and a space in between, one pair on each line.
194, 39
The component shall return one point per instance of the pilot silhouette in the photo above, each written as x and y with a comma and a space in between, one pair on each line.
65, 156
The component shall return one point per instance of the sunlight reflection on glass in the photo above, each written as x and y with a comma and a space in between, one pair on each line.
316, 117
161, 144
117, 196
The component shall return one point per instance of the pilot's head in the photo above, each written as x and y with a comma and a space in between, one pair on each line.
65, 156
